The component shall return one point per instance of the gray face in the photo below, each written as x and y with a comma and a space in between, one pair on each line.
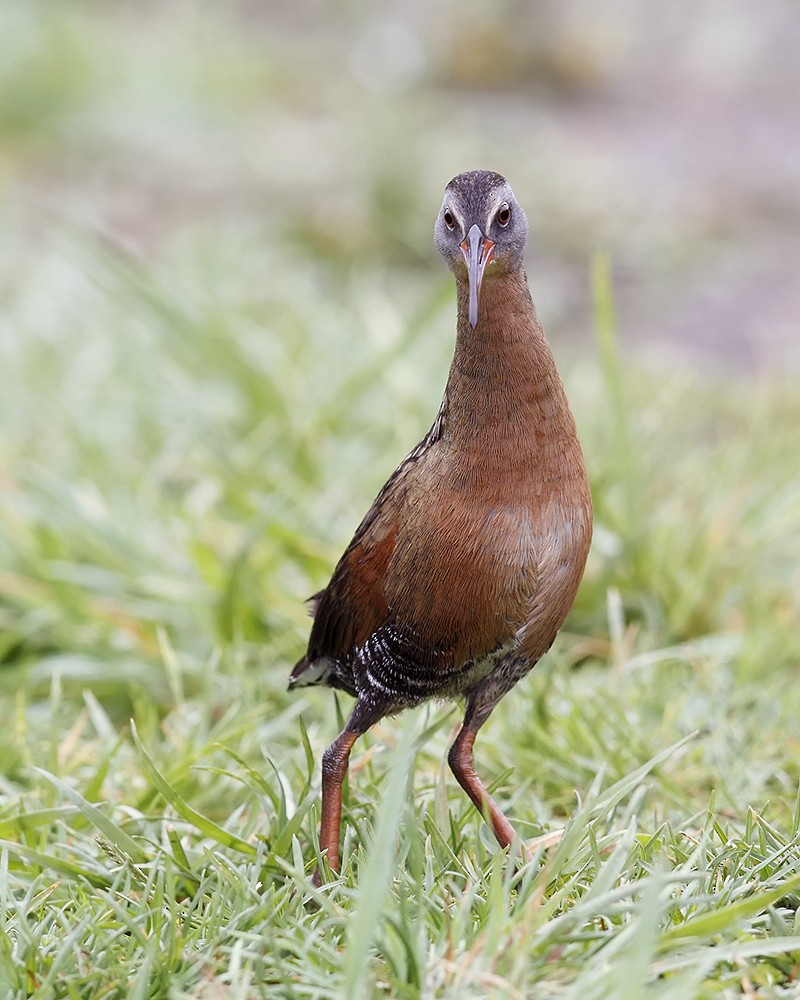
480, 227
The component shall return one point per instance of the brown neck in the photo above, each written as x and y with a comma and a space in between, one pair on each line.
504, 398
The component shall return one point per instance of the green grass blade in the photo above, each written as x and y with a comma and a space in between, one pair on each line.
206, 826
377, 873
719, 920
106, 826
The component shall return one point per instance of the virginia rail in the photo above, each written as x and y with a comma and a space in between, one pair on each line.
464, 568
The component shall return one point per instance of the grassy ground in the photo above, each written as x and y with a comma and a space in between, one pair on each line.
188, 435
181, 471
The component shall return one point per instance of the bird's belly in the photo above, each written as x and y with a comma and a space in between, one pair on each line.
466, 580
478, 579
473, 672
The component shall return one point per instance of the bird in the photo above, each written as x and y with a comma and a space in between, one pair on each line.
464, 568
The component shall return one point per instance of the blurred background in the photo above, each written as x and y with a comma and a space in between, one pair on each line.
223, 321
667, 135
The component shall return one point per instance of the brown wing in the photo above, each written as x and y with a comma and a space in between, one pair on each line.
353, 605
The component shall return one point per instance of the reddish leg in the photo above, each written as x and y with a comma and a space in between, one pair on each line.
463, 767
334, 768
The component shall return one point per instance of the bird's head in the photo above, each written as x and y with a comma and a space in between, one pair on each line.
480, 223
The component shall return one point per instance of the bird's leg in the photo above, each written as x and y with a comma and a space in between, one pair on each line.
366, 712
462, 766
334, 768
480, 703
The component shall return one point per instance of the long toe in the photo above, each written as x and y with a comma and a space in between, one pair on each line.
543, 843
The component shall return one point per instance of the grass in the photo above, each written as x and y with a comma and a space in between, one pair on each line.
188, 437
168, 507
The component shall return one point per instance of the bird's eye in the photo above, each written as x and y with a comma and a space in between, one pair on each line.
449, 219
504, 215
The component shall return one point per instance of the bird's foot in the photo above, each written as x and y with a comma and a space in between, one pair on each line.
543, 843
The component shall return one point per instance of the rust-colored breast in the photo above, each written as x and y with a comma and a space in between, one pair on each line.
461, 573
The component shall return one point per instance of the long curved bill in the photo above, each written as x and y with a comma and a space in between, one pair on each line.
477, 251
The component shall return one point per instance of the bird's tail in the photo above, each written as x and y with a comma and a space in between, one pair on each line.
308, 672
